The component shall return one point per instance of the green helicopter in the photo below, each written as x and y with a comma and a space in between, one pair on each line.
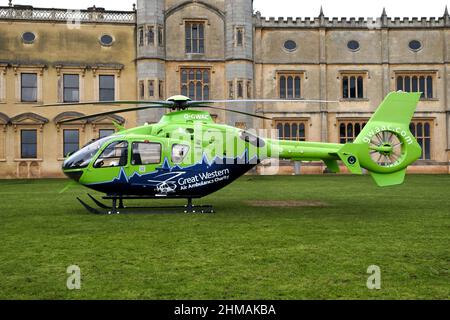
187, 155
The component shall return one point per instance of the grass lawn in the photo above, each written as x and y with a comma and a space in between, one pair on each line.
241, 252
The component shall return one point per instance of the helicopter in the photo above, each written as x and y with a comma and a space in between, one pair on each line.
186, 155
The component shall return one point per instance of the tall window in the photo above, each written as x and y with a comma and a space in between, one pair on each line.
353, 87
161, 89
416, 83
195, 83
240, 89
71, 141
160, 36
29, 87
151, 88
105, 133
249, 89
141, 36
239, 36
290, 86
291, 129
422, 131
28, 144
230, 90
151, 36
195, 37
349, 130
141, 89
107, 88
71, 87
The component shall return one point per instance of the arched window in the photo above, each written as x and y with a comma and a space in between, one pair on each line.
195, 83
421, 130
349, 130
399, 83
416, 83
282, 87
353, 87
294, 130
290, 86
240, 89
360, 88
297, 87
345, 87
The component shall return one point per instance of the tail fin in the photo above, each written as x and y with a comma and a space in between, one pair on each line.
385, 146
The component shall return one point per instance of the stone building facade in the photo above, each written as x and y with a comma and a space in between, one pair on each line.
215, 49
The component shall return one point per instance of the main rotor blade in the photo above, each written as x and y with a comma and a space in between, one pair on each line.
235, 111
194, 103
113, 112
158, 103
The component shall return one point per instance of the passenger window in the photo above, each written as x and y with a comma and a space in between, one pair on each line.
115, 155
146, 153
179, 152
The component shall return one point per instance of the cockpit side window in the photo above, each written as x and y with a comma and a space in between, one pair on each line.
83, 157
179, 152
114, 155
144, 153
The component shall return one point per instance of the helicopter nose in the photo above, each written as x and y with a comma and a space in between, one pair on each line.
74, 174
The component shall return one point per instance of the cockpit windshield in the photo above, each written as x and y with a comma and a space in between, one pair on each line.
83, 157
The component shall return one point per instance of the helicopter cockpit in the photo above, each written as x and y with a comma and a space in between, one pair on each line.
83, 157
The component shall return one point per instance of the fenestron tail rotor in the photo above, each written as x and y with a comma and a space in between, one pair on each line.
386, 148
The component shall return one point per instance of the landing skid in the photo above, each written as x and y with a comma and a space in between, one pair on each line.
117, 207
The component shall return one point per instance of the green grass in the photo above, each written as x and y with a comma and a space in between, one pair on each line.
241, 252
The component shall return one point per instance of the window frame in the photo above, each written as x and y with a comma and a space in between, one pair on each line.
141, 36
362, 122
3, 68
64, 87
35, 157
141, 89
150, 35
200, 41
22, 87
151, 88
291, 121
294, 75
160, 36
94, 163
184, 156
149, 143
114, 89
161, 89
349, 77
417, 74
239, 36
204, 84
65, 143
231, 90
424, 121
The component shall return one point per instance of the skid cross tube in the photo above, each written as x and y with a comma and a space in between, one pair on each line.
117, 206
